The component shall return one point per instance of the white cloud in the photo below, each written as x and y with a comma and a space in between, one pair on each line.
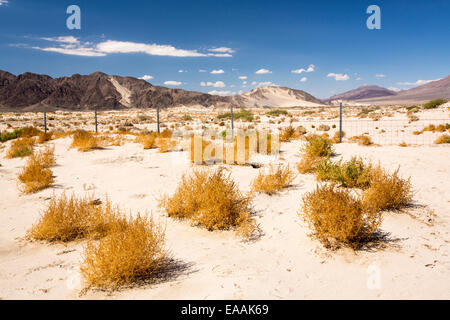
112, 46
263, 71
78, 51
201, 70
309, 69
68, 39
3, 2
221, 93
218, 84
181, 71
417, 83
73, 46
172, 83
394, 89
217, 71
146, 77
222, 50
263, 84
338, 76
358, 79
304, 79
380, 75
243, 77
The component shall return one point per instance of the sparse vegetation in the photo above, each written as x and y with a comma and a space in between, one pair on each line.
132, 250
445, 138
210, 199
36, 174
432, 104
20, 148
84, 141
316, 148
338, 218
148, 141
277, 112
243, 114
274, 180
351, 174
387, 191
71, 218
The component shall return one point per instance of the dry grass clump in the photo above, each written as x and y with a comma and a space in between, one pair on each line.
387, 191
352, 173
288, 134
316, 148
274, 180
445, 138
166, 144
29, 132
338, 218
44, 137
36, 175
46, 157
335, 138
132, 250
148, 141
84, 141
364, 140
210, 199
20, 148
71, 218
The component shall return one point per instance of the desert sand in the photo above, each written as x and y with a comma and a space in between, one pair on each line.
283, 263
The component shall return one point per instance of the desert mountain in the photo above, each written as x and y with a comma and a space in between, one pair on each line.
274, 96
34, 92
378, 95
364, 92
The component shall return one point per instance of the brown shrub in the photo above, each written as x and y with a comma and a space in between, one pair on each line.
387, 191
364, 140
29, 132
67, 219
445, 138
44, 137
210, 199
318, 146
132, 250
84, 141
166, 144
274, 180
335, 138
148, 141
36, 175
338, 218
289, 133
20, 148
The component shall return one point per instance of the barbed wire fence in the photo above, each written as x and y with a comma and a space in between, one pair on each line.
382, 131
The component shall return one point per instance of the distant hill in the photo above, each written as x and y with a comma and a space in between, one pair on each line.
364, 92
34, 92
274, 96
378, 95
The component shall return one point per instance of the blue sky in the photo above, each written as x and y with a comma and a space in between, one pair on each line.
322, 47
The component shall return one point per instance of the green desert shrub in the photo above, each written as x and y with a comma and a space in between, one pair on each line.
434, 103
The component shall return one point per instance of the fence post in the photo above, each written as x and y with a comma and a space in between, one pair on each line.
232, 123
157, 117
340, 122
96, 125
45, 122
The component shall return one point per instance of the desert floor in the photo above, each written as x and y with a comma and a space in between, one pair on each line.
283, 263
